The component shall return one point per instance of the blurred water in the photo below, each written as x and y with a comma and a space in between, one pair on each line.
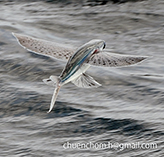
128, 108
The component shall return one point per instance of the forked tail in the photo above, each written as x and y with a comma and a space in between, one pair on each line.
53, 80
55, 94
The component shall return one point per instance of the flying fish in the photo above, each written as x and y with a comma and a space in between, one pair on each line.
91, 53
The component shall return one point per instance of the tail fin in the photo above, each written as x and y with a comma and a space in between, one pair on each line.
53, 80
55, 94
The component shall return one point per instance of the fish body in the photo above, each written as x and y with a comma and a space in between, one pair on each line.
76, 67
78, 62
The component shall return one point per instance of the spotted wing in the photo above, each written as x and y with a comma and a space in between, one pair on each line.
44, 47
107, 59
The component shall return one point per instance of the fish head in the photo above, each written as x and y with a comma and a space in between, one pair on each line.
86, 50
95, 44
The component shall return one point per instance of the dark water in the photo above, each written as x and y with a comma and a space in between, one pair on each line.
128, 108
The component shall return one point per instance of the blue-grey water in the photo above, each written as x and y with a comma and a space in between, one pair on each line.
127, 108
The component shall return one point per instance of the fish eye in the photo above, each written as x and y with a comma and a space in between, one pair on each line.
104, 46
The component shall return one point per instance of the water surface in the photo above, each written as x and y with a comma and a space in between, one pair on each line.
128, 108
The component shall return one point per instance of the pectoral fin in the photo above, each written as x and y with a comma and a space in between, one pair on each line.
107, 59
86, 81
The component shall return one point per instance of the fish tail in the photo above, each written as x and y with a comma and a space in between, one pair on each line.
56, 91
